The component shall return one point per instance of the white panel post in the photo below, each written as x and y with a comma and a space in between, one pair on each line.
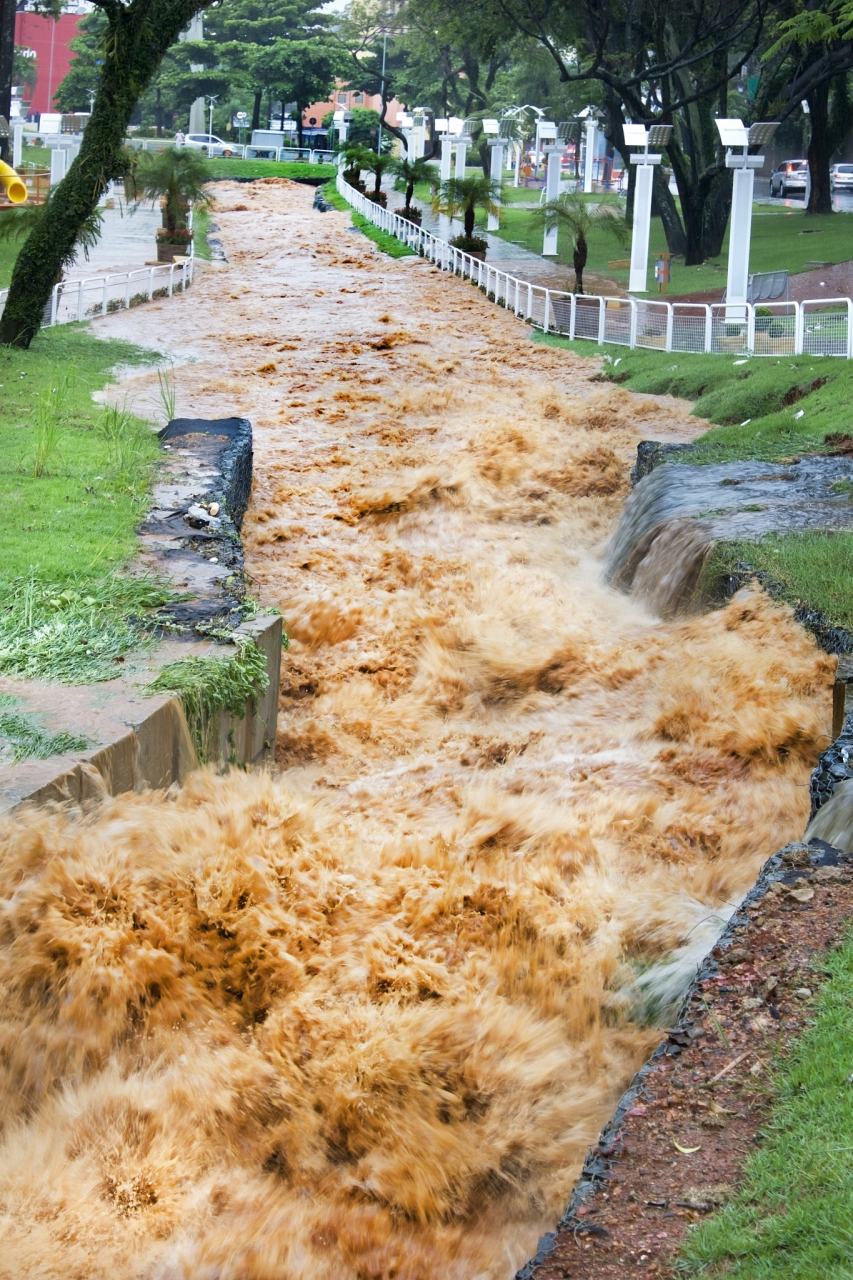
552, 190
637, 282
446, 157
461, 155
497, 149
591, 148
740, 230
57, 165
17, 142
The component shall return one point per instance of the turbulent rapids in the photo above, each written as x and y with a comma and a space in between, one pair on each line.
362, 1018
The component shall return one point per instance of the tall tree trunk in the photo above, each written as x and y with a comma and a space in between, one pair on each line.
8, 10
256, 109
715, 217
820, 150
298, 120
677, 236
158, 113
138, 34
579, 256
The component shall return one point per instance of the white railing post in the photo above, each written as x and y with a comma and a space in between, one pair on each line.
105, 296
602, 315
529, 300
799, 325
850, 329
632, 330
670, 310
709, 328
127, 291
150, 282
54, 303
547, 311
750, 327
80, 300
573, 317
171, 278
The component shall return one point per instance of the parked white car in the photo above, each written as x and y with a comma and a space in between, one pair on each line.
210, 143
841, 177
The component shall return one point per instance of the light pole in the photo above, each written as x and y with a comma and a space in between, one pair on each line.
382, 91
636, 136
554, 164
735, 136
211, 99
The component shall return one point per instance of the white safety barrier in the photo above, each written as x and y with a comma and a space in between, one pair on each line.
819, 327
99, 295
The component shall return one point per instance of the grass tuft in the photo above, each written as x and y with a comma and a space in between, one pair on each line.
208, 685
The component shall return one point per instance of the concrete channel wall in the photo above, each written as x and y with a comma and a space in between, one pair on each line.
139, 740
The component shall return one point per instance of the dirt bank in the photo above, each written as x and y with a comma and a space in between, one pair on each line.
364, 1019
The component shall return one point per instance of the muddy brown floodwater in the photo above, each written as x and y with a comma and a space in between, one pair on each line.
362, 1019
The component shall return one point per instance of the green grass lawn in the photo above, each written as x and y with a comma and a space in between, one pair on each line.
792, 1217
781, 239
236, 168
754, 402
77, 519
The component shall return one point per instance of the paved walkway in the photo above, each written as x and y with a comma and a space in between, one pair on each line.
128, 241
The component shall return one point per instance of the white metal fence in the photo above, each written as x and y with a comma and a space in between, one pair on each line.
99, 295
819, 327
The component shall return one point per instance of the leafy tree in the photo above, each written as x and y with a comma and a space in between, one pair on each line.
81, 79
24, 71
363, 128
579, 219
301, 71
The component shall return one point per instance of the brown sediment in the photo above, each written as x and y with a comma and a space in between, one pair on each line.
365, 1018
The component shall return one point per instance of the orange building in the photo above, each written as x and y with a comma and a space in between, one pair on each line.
348, 100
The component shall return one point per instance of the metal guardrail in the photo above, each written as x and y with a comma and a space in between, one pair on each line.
245, 151
82, 299
818, 327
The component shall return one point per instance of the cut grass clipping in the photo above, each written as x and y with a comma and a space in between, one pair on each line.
75, 634
388, 244
793, 1214
208, 685
22, 738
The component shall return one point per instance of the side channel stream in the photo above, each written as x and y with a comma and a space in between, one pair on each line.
364, 1017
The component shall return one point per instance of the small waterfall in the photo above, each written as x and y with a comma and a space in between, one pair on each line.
676, 514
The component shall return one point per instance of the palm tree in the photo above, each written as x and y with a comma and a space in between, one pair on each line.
355, 159
378, 165
176, 178
466, 196
572, 214
407, 175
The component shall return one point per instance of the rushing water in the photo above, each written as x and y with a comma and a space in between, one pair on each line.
364, 1018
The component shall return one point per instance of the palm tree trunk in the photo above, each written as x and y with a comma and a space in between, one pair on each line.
470, 214
579, 257
256, 109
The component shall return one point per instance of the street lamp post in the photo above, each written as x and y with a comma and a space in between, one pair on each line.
735, 137
211, 99
636, 136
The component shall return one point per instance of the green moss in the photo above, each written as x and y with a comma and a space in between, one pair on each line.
209, 685
793, 1213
